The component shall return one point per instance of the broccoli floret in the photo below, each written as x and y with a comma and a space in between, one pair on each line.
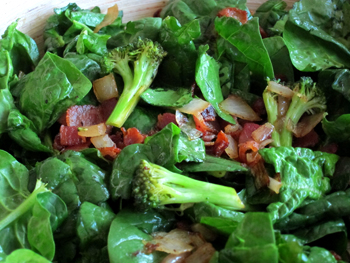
307, 98
137, 63
155, 187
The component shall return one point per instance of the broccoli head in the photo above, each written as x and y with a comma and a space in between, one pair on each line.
155, 187
137, 63
306, 98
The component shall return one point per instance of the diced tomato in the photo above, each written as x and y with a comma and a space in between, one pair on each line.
107, 107
209, 114
220, 144
84, 115
240, 15
69, 136
117, 138
246, 134
308, 141
132, 136
165, 119
111, 152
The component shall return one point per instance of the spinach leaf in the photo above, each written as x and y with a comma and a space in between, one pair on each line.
247, 41
124, 167
178, 67
252, 241
317, 37
23, 132
338, 130
206, 209
24, 255
89, 67
145, 28
23, 50
167, 97
6, 105
208, 80
142, 118
6, 69
269, 13
46, 96
223, 226
304, 174
279, 55
213, 164
127, 233
341, 177
190, 150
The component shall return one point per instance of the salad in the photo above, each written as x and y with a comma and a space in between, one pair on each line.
203, 134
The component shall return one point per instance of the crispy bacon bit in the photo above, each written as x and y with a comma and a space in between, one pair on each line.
107, 107
220, 144
209, 114
57, 143
149, 248
330, 148
132, 136
259, 107
69, 136
111, 152
261, 176
206, 126
335, 255
62, 119
85, 115
262, 32
165, 119
117, 138
234, 130
240, 15
208, 137
309, 140
246, 134
78, 147
245, 148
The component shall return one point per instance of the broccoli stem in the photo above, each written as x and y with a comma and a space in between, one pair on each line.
272, 115
158, 186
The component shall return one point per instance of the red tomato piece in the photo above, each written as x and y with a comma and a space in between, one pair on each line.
240, 15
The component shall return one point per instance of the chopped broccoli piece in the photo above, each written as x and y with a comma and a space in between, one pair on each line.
155, 187
145, 57
307, 98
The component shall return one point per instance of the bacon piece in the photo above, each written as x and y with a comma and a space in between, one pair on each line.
165, 119
209, 114
240, 15
220, 144
62, 119
246, 134
246, 147
57, 143
107, 107
308, 141
78, 147
262, 32
259, 107
132, 136
69, 136
111, 152
330, 148
206, 126
117, 138
85, 115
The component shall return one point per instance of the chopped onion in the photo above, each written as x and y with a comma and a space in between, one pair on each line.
102, 141
232, 128
263, 144
195, 107
202, 254
232, 148
261, 176
263, 132
274, 185
93, 130
187, 126
208, 234
176, 242
209, 143
306, 124
105, 88
110, 17
280, 89
283, 106
236, 106
173, 258
253, 158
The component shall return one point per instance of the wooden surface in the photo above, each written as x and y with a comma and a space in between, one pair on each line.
33, 13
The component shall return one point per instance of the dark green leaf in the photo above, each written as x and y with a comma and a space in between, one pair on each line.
144, 119
25, 256
167, 97
339, 129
